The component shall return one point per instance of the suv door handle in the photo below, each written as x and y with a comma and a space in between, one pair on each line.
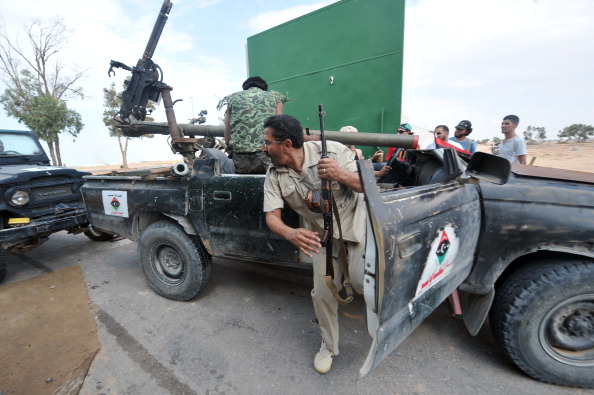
221, 195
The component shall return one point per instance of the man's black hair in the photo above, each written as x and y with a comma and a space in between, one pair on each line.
255, 82
286, 127
444, 127
514, 118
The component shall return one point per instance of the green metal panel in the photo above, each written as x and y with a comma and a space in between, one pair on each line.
358, 44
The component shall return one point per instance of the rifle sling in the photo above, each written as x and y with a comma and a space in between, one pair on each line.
342, 259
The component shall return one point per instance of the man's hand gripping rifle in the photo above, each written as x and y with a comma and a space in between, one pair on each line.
147, 84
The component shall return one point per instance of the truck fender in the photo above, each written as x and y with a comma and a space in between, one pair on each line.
184, 222
476, 308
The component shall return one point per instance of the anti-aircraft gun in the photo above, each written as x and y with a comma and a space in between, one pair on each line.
146, 83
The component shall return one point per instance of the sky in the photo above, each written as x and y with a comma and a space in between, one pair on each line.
474, 60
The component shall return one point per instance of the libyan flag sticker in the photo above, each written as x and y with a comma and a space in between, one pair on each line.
115, 203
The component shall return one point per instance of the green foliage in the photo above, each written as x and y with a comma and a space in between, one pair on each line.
533, 133
36, 94
496, 140
578, 132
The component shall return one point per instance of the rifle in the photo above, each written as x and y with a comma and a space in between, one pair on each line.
327, 208
147, 84
326, 203
146, 75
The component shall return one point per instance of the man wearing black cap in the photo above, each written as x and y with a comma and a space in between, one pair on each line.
463, 129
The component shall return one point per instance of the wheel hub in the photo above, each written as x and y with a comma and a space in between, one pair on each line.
170, 262
568, 333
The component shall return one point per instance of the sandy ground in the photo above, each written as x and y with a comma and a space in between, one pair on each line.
570, 156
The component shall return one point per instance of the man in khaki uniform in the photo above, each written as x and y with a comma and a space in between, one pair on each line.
297, 168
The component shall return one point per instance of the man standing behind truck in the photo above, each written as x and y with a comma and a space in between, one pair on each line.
513, 147
244, 124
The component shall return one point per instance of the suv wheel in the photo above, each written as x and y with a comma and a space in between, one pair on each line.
543, 316
176, 265
2, 263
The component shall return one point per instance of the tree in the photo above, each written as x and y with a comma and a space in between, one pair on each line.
36, 94
112, 101
578, 132
496, 140
535, 133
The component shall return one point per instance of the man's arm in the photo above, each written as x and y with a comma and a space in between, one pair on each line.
522, 159
306, 240
279, 108
227, 134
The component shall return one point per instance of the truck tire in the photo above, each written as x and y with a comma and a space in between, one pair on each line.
2, 263
175, 264
97, 235
543, 316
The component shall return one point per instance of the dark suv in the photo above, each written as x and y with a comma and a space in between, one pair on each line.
36, 199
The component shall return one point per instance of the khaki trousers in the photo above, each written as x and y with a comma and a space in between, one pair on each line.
325, 304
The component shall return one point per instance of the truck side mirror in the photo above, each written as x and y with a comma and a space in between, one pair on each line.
489, 168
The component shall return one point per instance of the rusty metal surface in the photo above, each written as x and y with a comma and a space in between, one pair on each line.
549, 172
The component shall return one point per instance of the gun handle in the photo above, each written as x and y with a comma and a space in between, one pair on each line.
325, 237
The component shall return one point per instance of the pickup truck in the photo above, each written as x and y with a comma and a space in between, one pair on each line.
36, 199
516, 245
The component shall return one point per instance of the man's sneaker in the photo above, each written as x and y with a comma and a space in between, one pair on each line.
323, 359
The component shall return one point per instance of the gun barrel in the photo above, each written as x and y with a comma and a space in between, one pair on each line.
363, 138
157, 30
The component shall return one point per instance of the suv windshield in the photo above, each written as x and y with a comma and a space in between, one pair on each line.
18, 145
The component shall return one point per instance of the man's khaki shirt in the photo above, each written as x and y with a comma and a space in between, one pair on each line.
285, 185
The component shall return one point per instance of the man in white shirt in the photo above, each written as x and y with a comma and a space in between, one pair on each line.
513, 147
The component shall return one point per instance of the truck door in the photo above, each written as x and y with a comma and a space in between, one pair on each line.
420, 246
236, 224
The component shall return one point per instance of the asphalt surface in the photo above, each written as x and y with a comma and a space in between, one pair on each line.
253, 331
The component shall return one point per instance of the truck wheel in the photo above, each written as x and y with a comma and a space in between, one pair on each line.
97, 235
176, 265
2, 263
543, 316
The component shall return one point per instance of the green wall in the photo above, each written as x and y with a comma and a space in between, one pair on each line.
357, 42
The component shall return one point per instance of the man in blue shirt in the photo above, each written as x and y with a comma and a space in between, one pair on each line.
463, 129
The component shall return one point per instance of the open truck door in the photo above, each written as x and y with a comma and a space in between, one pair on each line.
420, 246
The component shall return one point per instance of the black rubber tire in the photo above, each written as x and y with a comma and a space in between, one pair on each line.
2, 263
543, 317
97, 235
175, 264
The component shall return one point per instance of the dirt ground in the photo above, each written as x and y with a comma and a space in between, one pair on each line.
48, 336
570, 156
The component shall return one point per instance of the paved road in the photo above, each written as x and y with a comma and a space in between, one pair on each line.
253, 331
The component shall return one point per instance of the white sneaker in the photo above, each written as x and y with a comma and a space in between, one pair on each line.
323, 359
